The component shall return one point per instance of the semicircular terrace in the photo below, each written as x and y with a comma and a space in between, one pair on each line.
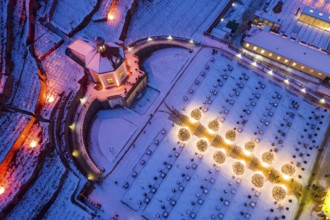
85, 105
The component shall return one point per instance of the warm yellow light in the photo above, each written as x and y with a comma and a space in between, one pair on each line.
193, 120
90, 177
33, 143
247, 45
169, 37
294, 64
191, 41
75, 153
72, 127
326, 204
50, 98
286, 177
227, 141
149, 39
247, 153
129, 49
264, 164
110, 16
117, 82
262, 51
2, 190
322, 101
210, 131
254, 48
270, 54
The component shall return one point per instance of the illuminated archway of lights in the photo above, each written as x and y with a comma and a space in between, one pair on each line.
245, 159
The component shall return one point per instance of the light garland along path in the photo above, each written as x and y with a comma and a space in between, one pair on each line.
252, 162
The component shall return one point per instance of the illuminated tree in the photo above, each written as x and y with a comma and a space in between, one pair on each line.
202, 145
196, 114
231, 135
258, 180
184, 134
238, 168
288, 169
250, 145
268, 157
214, 125
279, 193
219, 157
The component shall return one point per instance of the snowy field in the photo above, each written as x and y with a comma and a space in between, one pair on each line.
68, 14
189, 19
298, 30
161, 177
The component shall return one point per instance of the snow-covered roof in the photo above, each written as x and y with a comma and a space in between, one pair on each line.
315, 13
80, 46
292, 50
107, 61
100, 62
268, 17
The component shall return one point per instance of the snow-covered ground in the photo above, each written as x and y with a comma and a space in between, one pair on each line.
10, 131
42, 191
161, 178
69, 14
62, 207
189, 19
45, 40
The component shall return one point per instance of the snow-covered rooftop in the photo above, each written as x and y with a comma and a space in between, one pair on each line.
292, 50
82, 47
268, 17
97, 61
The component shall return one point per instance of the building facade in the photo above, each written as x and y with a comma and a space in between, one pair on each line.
289, 53
105, 61
315, 18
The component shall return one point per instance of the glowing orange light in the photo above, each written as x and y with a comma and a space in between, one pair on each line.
33, 144
51, 98
110, 16
2, 190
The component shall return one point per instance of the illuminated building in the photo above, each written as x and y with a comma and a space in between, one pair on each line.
105, 61
315, 18
292, 54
